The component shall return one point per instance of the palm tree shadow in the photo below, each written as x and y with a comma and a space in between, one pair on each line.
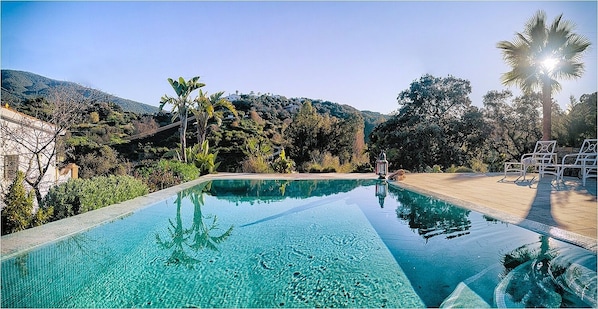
541, 208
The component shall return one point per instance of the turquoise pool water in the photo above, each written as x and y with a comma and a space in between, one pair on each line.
303, 243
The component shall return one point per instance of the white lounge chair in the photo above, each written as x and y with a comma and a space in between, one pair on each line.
543, 158
584, 160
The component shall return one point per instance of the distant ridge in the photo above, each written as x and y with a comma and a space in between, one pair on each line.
20, 86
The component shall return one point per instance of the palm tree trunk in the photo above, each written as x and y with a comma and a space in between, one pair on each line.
182, 133
201, 128
546, 111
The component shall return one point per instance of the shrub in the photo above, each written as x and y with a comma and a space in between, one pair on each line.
256, 165
77, 196
101, 162
282, 164
165, 173
185, 171
478, 165
325, 163
363, 168
434, 169
459, 169
202, 158
18, 213
19, 206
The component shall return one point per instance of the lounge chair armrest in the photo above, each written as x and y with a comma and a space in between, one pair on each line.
589, 158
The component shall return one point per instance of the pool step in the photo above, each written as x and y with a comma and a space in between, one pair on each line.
464, 297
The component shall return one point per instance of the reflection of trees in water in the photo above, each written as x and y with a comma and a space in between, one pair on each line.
431, 217
239, 190
21, 263
537, 276
199, 236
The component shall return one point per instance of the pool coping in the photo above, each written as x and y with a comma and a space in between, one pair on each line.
27, 240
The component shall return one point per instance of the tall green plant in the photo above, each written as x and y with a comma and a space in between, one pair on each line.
202, 158
206, 108
16, 215
181, 105
540, 56
282, 164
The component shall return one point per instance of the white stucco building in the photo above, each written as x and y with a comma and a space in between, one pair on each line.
27, 144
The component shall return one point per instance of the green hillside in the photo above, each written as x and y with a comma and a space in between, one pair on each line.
18, 86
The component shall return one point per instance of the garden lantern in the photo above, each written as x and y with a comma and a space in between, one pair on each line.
381, 189
382, 166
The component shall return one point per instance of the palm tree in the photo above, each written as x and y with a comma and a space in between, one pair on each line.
541, 55
206, 108
181, 105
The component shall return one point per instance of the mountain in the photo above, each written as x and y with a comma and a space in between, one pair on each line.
18, 86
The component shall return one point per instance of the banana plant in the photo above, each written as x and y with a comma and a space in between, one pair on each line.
181, 105
206, 108
202, 158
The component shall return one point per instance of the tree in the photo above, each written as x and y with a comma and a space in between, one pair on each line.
515, 126
302, 133
16, 215
181, 105
541, 55
39, 142
581, 120
206, 108
435, 125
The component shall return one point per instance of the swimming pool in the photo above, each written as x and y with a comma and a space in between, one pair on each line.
301, 243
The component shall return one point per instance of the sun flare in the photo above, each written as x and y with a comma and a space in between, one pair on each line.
549, 64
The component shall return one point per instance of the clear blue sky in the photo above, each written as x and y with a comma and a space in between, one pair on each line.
357, 53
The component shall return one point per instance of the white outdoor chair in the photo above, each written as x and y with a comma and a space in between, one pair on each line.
543, 158
584, 160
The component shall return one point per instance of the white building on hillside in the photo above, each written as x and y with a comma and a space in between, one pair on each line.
28, 144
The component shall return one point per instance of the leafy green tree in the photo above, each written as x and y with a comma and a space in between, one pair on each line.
310, 133
435, 125
581, 120
209, 108
181, 105
515, 124
16, 215
302, 134
541, 55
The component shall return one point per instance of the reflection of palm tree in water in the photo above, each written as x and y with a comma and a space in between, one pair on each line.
201, 230
198, 234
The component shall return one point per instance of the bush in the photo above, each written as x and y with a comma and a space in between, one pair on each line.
459, 169
202, 158
165, 174
434, 169
185, 171
325, 163
77, 196
18, 214
478, 165
19, 206
256, 165
363, 168
282, 164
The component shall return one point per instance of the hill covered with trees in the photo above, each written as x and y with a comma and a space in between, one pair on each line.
19, 86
